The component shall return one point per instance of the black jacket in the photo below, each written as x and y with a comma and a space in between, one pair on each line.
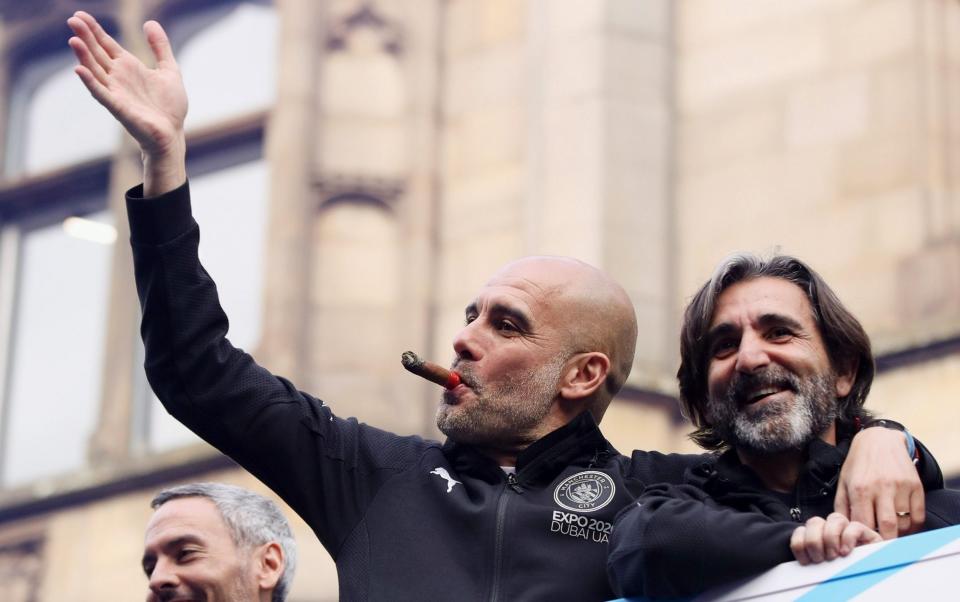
404, 518
722, 524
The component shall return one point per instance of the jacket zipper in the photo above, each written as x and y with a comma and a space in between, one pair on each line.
514, 484
795, 513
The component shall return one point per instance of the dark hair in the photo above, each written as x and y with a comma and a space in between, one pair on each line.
252, 520
847, 344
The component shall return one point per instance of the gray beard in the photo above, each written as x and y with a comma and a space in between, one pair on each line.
502, 414
775, 426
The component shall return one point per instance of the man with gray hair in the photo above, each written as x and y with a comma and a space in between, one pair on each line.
216, 542
774, 372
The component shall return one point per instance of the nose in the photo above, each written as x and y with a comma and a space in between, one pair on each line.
752, 354
163, 577
466, 343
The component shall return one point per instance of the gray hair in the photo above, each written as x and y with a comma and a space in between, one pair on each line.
252, 520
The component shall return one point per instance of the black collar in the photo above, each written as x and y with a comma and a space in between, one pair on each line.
820, 471
544, 459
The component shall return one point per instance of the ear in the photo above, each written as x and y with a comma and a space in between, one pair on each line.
584, 374
845, 379
269, 565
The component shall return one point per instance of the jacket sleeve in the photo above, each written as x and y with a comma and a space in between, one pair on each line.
928, 468
326, 468
676, 541
650, 467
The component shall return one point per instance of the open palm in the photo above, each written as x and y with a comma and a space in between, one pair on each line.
151, 103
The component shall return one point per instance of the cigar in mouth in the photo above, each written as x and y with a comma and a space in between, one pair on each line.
435, 373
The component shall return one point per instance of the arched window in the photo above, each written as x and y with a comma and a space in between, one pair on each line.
56, 344
52, 121
227, 56
56, 240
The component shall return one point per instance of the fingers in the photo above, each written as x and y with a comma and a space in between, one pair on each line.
904, 502
797, 540
867, 535
887, 516
97, 89
856, 534
832, 530
86, 59
841, 503
82, 29
159, 44
813, 539
861, 508
109, 45
819, 540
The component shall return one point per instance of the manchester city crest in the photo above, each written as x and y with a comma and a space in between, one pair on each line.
585, 491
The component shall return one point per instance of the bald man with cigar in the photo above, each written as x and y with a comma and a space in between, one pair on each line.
517, 504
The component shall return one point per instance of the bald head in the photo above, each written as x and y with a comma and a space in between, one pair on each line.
591, 308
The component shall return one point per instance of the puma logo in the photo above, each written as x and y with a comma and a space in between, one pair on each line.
443, 474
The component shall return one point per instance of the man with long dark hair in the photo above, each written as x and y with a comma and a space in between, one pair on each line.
774, 373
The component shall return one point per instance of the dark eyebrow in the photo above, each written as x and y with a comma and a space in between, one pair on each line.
768, 320
720, 331
505, 311
765, 321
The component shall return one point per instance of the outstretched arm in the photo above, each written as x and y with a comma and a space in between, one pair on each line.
150, 103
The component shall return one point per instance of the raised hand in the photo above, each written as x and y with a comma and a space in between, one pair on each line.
150, 103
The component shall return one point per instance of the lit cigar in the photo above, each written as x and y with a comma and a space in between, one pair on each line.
435, 373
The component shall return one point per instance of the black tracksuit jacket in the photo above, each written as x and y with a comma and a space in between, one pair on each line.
403, 517
722, 524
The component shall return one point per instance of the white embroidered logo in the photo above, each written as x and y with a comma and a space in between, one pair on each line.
585, 491
443, 474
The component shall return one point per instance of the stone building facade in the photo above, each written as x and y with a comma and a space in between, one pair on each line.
361, 166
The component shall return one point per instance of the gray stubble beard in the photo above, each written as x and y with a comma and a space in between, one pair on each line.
503, 414
777, 426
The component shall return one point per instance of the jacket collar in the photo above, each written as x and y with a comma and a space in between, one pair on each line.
545, 458
821, 470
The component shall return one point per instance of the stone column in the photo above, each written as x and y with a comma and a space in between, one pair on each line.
289, 152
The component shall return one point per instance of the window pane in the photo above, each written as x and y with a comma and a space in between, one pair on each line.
229, 67
57, 352
53, 120
231, 207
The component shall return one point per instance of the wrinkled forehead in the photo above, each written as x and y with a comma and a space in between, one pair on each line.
752, 299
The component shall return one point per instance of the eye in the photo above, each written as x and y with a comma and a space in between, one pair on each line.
185, 555
723, 347
470, 318
507, 325
780, 333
